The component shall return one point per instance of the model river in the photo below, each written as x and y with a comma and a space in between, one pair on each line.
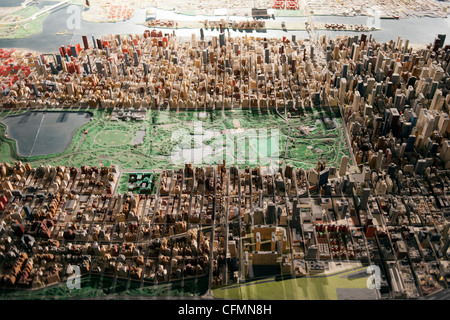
417, 30
41, 133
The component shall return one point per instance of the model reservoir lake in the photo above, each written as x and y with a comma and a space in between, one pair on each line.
41, 133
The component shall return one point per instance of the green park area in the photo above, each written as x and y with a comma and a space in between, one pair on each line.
342, 285
96, 286
99, 142
169, 139
109, 138
18, 22
243, 137
349, 284
20, 25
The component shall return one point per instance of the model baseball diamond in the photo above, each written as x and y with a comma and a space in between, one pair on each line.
257, 156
